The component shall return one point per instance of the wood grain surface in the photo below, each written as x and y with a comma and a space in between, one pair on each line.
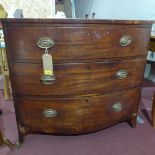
87, 55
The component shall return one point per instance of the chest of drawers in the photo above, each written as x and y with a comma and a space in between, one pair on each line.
98, 67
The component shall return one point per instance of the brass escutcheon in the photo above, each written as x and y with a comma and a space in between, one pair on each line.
49, 113
47, 79
125, 40
117, 107
45, 42
121, 74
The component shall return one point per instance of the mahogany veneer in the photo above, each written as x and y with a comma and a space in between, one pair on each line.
98, 67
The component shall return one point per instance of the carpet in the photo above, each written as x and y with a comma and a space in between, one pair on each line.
119, 139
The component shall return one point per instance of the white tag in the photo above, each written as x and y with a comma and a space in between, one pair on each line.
47, 64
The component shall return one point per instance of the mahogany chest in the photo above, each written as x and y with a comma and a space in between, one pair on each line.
98, 70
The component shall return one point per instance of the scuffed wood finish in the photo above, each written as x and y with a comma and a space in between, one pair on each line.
78, 78
77, 115
47, 22
86, 57
102, 40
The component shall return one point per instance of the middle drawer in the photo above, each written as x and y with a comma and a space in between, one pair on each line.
78, 78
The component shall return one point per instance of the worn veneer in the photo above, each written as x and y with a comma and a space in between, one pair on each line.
98, 68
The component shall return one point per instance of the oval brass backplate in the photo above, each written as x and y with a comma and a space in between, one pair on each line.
125, 40
121, 74
49, 113
47, 79
117, 107
45, 42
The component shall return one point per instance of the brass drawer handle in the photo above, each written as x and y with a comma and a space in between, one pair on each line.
117, 107
121, 74
45, 42
47, 79
49, 113
125, 40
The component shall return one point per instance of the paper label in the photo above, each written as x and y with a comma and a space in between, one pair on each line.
47, 64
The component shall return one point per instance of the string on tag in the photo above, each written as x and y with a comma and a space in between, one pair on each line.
46, 51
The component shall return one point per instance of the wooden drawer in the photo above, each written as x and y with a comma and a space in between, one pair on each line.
77, 78
76, 43
77, 115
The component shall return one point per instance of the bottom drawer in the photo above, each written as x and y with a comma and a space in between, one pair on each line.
76, 115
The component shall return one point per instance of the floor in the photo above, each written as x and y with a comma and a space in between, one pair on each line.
119, 139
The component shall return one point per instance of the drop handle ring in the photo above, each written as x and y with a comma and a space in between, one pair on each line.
125, 40
117, 107
49, 113
121, 74
45, 42
47, 79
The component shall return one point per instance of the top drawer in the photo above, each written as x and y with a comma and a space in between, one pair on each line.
74, 43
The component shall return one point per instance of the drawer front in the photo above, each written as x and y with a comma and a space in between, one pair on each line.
77, 43
77, 115
78, 78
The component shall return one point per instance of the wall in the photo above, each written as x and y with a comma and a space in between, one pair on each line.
31, 8
124, 9
117, 9
81, 7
